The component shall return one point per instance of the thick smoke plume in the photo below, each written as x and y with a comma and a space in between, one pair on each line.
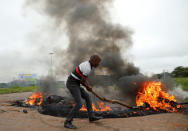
89, 32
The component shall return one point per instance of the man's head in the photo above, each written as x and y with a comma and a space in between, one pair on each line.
95, 60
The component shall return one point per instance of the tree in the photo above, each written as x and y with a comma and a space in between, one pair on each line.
180, 71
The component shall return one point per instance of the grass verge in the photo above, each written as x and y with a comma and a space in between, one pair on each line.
17, 89
183, 82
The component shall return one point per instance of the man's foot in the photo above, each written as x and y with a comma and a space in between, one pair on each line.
95, 118
69, 125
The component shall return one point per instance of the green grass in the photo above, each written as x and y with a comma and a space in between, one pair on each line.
185, 100
183, 82
17, 89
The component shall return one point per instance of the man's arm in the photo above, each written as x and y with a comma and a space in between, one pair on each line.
86, 84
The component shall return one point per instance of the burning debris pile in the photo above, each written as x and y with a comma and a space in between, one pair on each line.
35, 99
150, 99
152, 94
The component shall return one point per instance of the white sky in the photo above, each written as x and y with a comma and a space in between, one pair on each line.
160, 35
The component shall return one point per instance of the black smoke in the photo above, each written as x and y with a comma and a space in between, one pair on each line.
89, 30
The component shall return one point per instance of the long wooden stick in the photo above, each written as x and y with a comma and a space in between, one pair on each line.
110, 101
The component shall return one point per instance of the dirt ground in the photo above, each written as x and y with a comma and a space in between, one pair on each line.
13, 119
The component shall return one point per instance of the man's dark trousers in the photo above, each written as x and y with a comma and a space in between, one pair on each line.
77, 92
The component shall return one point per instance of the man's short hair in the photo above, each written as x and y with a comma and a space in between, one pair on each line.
95, 58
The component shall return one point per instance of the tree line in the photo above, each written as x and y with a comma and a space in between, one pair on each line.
180, 71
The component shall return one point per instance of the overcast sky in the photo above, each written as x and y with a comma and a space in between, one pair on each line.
160, 35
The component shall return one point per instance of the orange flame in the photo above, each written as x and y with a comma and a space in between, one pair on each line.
151, 92
35, 98
101, 106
